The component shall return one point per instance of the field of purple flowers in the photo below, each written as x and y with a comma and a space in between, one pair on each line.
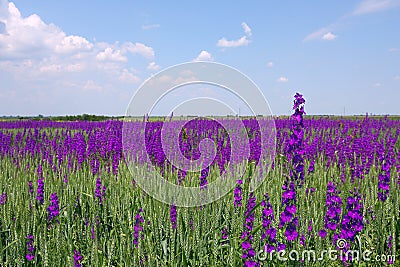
67, 197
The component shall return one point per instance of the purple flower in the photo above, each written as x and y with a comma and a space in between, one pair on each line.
248, 251
40, 191
31, 249
291, 233
352, 222
322, 233
249, 215
3, 198
389, 242
224, 233
267, 219
334, 207
30, 187
238, 194
296, 147
100, 191
288, 215
384, 180
53, 209
172, 216
139, 220
77, 259
311, 168
281, 247
203, 178
93, 232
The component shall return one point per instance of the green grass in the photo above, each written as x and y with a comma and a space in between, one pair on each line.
163, 246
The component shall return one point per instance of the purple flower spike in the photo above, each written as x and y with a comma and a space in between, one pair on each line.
248, 251
31, 249
30, 187
40, 191
77, 259
139, 220
53, 209
100, 191
172, 216
3, 198
237, 193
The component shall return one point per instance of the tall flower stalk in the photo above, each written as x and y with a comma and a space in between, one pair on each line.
139, 220
237, 193
334, 209
77, 259
384, 180
172, 216
288, 218
31, 249
40, 191
247, 237
100, 191
296, 146
53, 209
269, 232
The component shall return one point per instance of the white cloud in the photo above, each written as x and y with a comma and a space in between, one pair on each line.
246, 29
73, 43
393, 49
242, 41
329, 36
204, 56
365, 7
40, 58
270, 64
372, 6
282, 79
26, 37
150, 26
110, 55
397, 78
317, 34
153, 66
139, 48
128, 77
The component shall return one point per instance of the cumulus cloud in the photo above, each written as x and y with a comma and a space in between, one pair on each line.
110, 55
153, 66
204, 56
28, 37
49, 71
128, 77
282, 79
139, 48
393, 49
242, 41
329, 36
246, 29
397, 77
72, 43
270, 64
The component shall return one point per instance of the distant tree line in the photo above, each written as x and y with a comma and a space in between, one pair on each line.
83, 117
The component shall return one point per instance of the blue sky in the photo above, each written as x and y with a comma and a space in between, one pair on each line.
73, 57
